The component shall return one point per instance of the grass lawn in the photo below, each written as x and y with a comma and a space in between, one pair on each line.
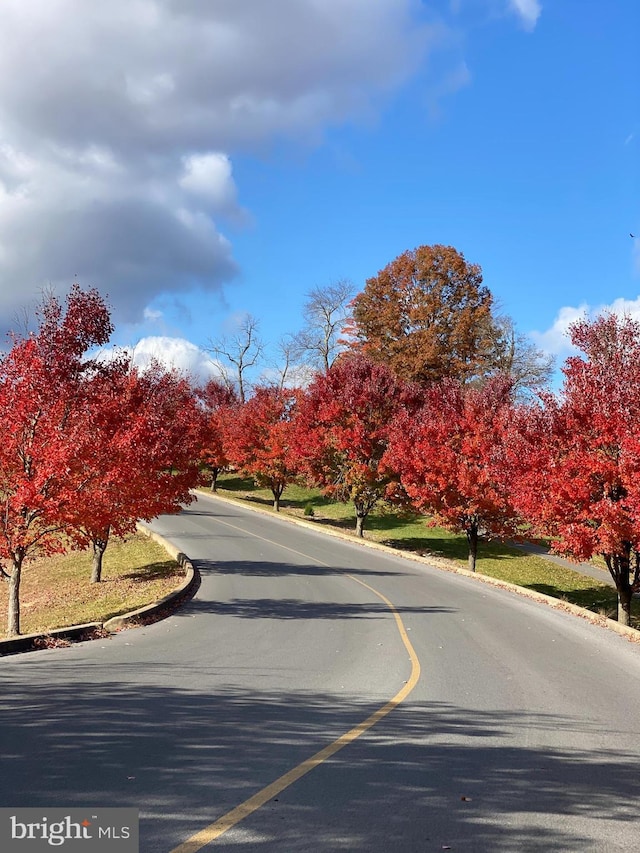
56, 592
411, 532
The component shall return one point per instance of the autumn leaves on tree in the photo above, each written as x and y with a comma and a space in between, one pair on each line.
88, 447
427, 316
435, 402
424, 397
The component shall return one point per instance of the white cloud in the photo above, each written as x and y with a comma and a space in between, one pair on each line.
173, 354
208, 176
555, 340
527, 10
119, 120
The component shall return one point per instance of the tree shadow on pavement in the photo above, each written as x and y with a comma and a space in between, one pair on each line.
253, 568
295, 608
430, 776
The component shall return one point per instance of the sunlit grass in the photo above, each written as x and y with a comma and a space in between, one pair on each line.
56, 592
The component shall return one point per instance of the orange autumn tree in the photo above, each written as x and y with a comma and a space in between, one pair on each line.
427, 316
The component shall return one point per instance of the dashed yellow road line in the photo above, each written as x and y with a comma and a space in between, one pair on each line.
239, 813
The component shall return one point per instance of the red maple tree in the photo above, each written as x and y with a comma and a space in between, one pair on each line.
219, 404
578, 455
42, 395
258, 439
144, 433
341, 431
450, 459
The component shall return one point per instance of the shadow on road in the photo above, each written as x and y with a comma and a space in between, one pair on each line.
429, 775
253, 568
295, 608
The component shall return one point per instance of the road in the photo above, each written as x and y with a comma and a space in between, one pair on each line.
521, 733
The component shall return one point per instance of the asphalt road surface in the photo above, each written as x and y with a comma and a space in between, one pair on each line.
493, 723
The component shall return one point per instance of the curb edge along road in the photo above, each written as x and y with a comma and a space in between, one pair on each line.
132, 619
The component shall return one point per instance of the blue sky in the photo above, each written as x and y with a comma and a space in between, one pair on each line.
509, 129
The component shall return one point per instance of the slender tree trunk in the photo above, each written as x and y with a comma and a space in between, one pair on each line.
624, 587
214, 479
363, 508
13, 615
99, 547
624, 606
619, 567
472, 539
277, 491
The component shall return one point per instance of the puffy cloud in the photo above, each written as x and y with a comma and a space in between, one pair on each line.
173, 354
527, 10
208, 176
117, 122
555, 340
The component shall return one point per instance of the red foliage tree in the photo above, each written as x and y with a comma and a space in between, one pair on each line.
144, 434
219, 403
259, 439
42, 395
451, 461
341, 431
579, 454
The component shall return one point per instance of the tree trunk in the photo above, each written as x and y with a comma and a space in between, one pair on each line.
624, 606
277, 491
360, 523
472, 539
13, 615
619, 567
214, 479
99, 547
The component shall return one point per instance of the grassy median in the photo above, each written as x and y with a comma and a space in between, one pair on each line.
411, 532
56, 592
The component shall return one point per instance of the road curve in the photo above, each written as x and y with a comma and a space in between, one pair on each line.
522, 732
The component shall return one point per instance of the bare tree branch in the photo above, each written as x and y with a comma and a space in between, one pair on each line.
325, 314
241, 351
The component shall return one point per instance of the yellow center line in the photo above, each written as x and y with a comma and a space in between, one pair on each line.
232, 818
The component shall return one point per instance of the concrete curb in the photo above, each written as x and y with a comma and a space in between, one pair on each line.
94, 630
445, 565
157, 610
58, 636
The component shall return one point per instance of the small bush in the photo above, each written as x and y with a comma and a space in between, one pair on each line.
308, 510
